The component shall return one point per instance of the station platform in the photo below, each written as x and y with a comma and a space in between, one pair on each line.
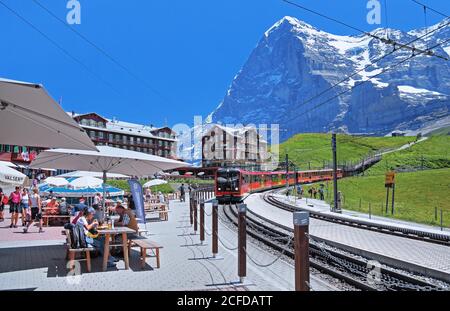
315, 205
39, 264
427, 258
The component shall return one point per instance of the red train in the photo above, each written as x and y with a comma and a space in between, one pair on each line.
233, 185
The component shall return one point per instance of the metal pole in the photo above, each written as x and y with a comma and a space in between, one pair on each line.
370, 211
442, 221
387, 199
242, 242
191, 210
287, 173
301, 246
195, 216
215, 228
102, 212
393, 198
202, 221
335, 187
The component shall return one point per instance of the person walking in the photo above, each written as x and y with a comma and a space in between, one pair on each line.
14, 207
314, 193
161, 197
322, 193
25, 206
3, 200
182, 193
36, 210
299, 191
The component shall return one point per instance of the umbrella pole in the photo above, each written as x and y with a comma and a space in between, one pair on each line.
104, 193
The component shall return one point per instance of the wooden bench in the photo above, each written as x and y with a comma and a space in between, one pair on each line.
144, 245
72, 252
46, 218
142, 231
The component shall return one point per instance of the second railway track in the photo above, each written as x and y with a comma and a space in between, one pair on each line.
350, 268
411, 233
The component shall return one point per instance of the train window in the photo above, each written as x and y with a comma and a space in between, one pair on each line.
228, 180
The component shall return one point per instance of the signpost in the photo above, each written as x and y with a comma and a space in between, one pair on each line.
390, 183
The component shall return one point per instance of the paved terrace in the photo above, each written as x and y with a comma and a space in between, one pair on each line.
37, 262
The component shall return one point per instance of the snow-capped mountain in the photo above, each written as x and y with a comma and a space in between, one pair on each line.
294, 63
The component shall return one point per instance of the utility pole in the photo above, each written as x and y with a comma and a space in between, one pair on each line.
335, 188
287, 173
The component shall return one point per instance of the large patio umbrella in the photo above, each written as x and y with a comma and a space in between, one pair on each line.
30, 117
106, 160
92, 174
9, 175
154, 182
86, 182
56, 181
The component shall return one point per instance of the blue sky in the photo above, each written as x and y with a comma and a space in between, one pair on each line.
188, 51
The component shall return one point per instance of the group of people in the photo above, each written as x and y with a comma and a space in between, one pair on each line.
313, 192
88, 221
22, 203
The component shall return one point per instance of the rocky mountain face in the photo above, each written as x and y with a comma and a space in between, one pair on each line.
294, 63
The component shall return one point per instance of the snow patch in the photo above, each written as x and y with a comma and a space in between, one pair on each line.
447, 50
413, 90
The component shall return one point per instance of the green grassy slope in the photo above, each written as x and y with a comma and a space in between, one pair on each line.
316, 148
430, 154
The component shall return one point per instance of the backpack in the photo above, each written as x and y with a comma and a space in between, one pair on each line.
77, 237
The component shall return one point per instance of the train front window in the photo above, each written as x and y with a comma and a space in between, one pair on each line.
228, 180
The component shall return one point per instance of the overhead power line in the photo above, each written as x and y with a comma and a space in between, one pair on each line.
430, 8
388, 41
369, 79
102, 51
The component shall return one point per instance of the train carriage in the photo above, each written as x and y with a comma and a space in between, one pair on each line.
232, 185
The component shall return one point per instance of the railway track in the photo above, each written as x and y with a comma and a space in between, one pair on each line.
350, 268
417, 234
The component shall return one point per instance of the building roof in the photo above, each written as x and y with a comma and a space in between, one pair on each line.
234, 131
116, 126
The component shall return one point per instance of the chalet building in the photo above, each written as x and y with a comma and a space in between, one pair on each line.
160, 141
233, 147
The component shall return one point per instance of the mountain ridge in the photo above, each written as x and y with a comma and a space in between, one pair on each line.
294, 62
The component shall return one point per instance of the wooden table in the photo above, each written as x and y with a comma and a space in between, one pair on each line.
116, 231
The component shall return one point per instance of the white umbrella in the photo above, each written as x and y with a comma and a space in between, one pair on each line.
154, 182
175, 173
92, 174
201, 174
86, 182
189, 173
10, 176
30, 117
56, 181
7, 163
107, 159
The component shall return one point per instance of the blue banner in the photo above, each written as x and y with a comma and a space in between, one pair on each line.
138, 198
